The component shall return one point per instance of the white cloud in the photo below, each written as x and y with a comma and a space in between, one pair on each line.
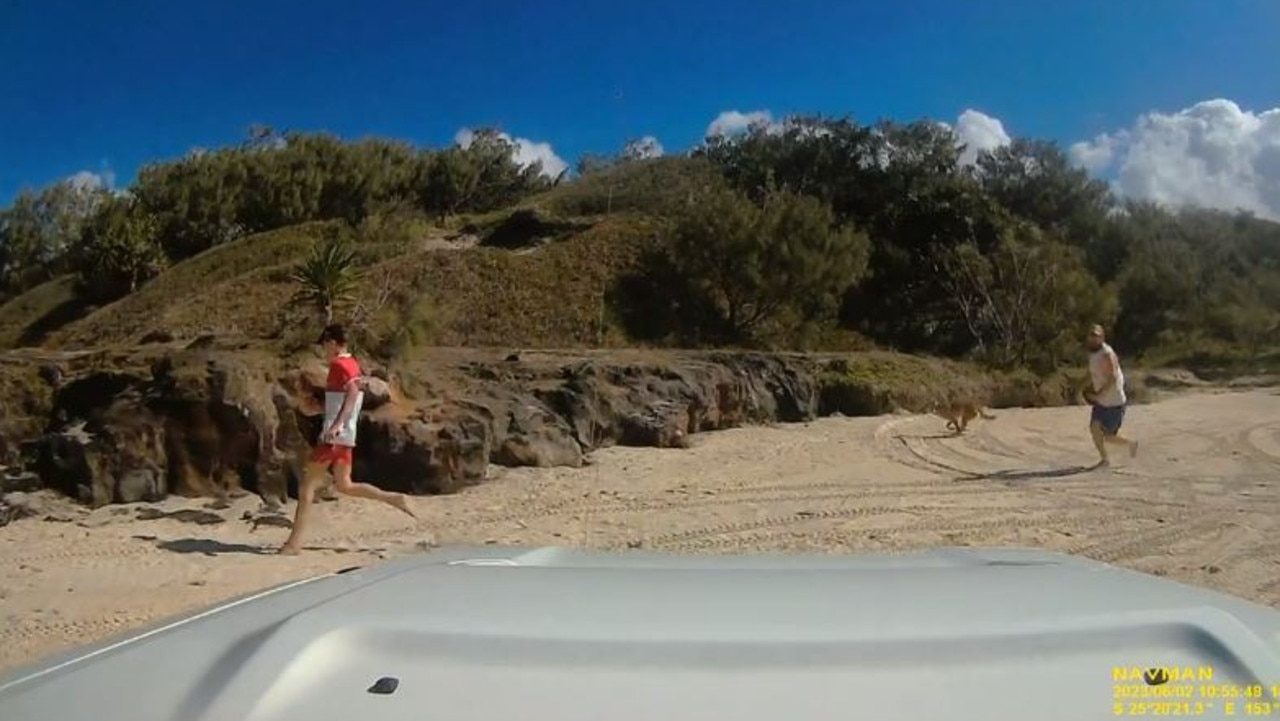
644, 148
525, 153
1096, 155
1213, 154
732, 122
977, 132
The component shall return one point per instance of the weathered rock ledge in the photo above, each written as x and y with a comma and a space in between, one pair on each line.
138, 425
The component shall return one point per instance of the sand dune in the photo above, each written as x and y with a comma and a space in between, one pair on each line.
1199, 505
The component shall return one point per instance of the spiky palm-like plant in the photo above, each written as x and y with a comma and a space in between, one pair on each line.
327, 277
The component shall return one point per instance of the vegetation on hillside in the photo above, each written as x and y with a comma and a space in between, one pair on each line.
326, 278
815, 233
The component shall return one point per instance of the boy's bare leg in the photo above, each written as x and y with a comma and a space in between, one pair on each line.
311, 479
342, 475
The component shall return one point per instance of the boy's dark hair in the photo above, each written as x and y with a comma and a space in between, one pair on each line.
333, 332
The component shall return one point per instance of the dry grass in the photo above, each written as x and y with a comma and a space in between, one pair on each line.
1215, 360
871, 383
236, 289
881, 382
26, 394
548, 296
194, 289
26, 320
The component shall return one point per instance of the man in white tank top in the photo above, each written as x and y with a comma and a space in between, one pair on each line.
1106, 395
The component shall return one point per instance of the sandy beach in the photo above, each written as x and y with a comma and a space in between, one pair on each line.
1199, 504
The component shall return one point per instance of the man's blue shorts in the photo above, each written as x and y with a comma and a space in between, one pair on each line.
1109, 417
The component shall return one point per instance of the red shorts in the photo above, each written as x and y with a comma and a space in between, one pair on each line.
329, 454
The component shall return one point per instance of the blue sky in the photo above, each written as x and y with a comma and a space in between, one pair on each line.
107, 86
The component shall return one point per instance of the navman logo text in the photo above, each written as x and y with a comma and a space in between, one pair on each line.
1159, 675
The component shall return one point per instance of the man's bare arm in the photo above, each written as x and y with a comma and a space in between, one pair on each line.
1108, 372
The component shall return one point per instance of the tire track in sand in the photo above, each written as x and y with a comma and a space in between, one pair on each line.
1261, 443
18, 640
1270, 591
918, 452
101, 549
648, 506
689, 497
1153, 543
927, 453
723, 498
725, 535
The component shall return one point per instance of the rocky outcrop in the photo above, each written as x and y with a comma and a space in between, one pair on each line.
196, 425
210, 424
218, 422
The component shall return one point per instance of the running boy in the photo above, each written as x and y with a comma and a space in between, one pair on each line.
343, 398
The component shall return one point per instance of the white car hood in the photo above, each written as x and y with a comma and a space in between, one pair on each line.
472, 634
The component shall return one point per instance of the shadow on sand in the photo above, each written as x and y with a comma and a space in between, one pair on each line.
1030, 475
1012, 474
927, 437
210, 547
